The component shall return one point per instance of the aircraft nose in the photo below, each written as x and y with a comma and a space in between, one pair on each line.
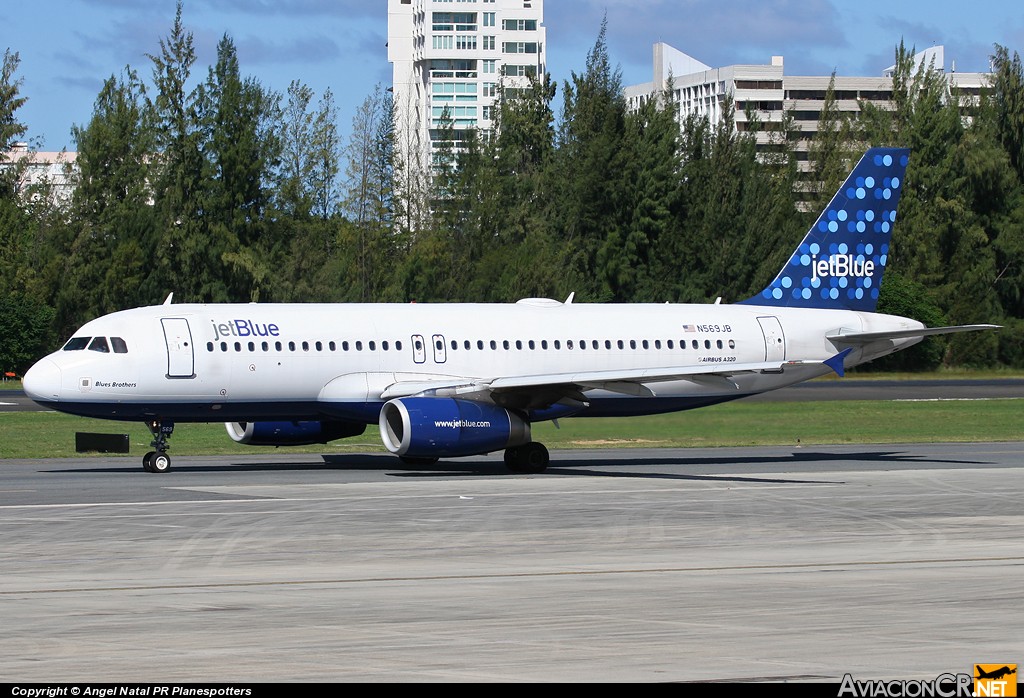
43, 381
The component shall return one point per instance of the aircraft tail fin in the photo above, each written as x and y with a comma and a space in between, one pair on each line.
840, 262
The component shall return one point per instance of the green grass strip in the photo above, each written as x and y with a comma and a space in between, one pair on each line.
52, 435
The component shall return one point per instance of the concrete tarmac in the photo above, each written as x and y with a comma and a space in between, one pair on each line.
770, 564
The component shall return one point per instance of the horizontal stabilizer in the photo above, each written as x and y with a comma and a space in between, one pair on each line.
859, 338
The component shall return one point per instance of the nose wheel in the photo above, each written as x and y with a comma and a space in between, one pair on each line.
158, 461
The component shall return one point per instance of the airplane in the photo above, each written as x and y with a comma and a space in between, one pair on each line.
996, 674
452, 380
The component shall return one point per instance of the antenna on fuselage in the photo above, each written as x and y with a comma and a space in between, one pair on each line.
569, 299
170, 295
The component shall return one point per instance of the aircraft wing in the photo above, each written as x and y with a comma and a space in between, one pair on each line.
573, 384
859, 338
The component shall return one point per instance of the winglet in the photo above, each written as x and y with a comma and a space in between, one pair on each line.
836, 362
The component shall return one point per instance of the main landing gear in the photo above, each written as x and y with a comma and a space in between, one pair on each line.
158, 461
528, 458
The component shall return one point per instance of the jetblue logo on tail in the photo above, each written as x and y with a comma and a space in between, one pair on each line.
840, 262
841, 265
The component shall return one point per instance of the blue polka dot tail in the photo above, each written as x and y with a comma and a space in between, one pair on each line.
840, 262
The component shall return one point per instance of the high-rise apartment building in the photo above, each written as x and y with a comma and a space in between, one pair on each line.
766, 93
450, 60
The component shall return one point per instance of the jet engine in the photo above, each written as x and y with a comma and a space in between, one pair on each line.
292, 433
432, 427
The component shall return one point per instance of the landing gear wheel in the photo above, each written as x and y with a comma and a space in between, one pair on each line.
528, 458
160, 463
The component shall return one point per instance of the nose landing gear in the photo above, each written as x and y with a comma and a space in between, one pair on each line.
158, 461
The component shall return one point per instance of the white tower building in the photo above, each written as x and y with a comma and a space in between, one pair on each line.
449, 58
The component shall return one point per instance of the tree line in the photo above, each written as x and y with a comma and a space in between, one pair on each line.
221, 190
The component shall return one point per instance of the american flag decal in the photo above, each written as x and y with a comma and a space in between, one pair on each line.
689, 328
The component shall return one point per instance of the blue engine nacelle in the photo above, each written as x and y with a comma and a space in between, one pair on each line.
292, 433
436, 427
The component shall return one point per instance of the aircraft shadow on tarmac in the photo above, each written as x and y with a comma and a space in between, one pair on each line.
623, 465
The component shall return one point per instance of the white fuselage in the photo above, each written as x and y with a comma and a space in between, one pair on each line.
206, 363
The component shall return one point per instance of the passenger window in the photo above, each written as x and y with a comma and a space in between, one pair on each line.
670, 344
238, 346
119, 345
77, 343
695, 345
277, 346
291, 346
719, 343
543, 344
359, 346
398, 346
384, 345
494, 345
532, 345
558, 345
252, 346
732, 344
632, 344
505, 344
223, 346
568, 344
209, 346
372, 345
646, 344
99, 344
265, 346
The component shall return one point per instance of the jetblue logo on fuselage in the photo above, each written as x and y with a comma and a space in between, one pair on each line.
244, 328
842, 265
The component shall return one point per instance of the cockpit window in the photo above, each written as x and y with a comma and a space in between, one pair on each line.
119, 345
77, 343
99, 344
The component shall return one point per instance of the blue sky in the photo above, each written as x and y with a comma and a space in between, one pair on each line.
69, 47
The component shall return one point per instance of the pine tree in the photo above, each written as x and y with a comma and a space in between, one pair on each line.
243, 151
184, 258
113, 219
588, 164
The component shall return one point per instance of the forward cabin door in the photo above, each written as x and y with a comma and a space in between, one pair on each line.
180, 357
